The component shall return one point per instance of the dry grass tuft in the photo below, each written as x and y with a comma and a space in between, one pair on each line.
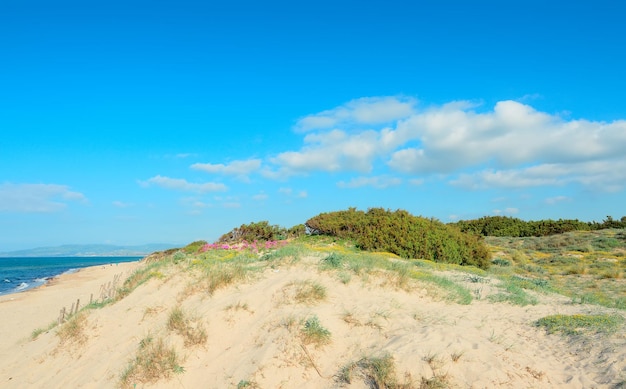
309, 292
154, 361
73, 330
191, 329
376, 372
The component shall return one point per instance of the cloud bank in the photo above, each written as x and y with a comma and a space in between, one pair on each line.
37, 198
512, 145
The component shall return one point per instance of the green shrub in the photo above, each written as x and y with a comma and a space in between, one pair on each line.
261, 231
501, 262
514, 227
333, 260
313, 332
194, 247
403, 234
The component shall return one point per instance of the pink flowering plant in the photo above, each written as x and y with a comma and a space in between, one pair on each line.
244, 245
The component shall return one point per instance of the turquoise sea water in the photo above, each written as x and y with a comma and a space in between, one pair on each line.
18, 274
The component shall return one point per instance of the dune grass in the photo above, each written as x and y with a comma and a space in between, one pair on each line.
450, 290
377, 372
312, 332
578, 324
191, 329
155, 360
140, 277
589, 267
36, 332
308, 292
73, 330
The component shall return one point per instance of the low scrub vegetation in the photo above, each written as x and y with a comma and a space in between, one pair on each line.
577, 324
587, 266
514, 227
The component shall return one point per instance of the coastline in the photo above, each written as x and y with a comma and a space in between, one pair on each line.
24, 311
20, 274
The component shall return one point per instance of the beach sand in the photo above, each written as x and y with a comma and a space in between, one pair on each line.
253, 335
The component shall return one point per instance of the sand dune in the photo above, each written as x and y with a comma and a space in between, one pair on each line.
254, 335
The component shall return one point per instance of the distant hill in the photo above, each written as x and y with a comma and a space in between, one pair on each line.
89, 250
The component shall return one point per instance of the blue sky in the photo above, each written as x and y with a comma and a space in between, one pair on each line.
153, 121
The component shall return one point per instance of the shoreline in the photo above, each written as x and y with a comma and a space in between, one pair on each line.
45, 275
25, 311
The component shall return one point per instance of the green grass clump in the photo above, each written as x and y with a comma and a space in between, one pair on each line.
140, 277
35, 334
246, 384
154, 361
313, 332
293, 252
577, 324
513, 292
333, 260
453, 291
501, 262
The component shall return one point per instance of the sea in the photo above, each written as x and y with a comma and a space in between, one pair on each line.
18, 274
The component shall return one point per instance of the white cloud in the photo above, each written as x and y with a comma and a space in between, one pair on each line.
238, 168
36, 198
260, 197
364, 111
285, 191
289, 192
379, 182
609, 176
332, 151
557, 199
184, 185
512, 134
506, 211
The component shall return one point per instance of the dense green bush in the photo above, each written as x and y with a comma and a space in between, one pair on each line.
403, 234
514, 227
261, 231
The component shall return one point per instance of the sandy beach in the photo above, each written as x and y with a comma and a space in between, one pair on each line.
253, 334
